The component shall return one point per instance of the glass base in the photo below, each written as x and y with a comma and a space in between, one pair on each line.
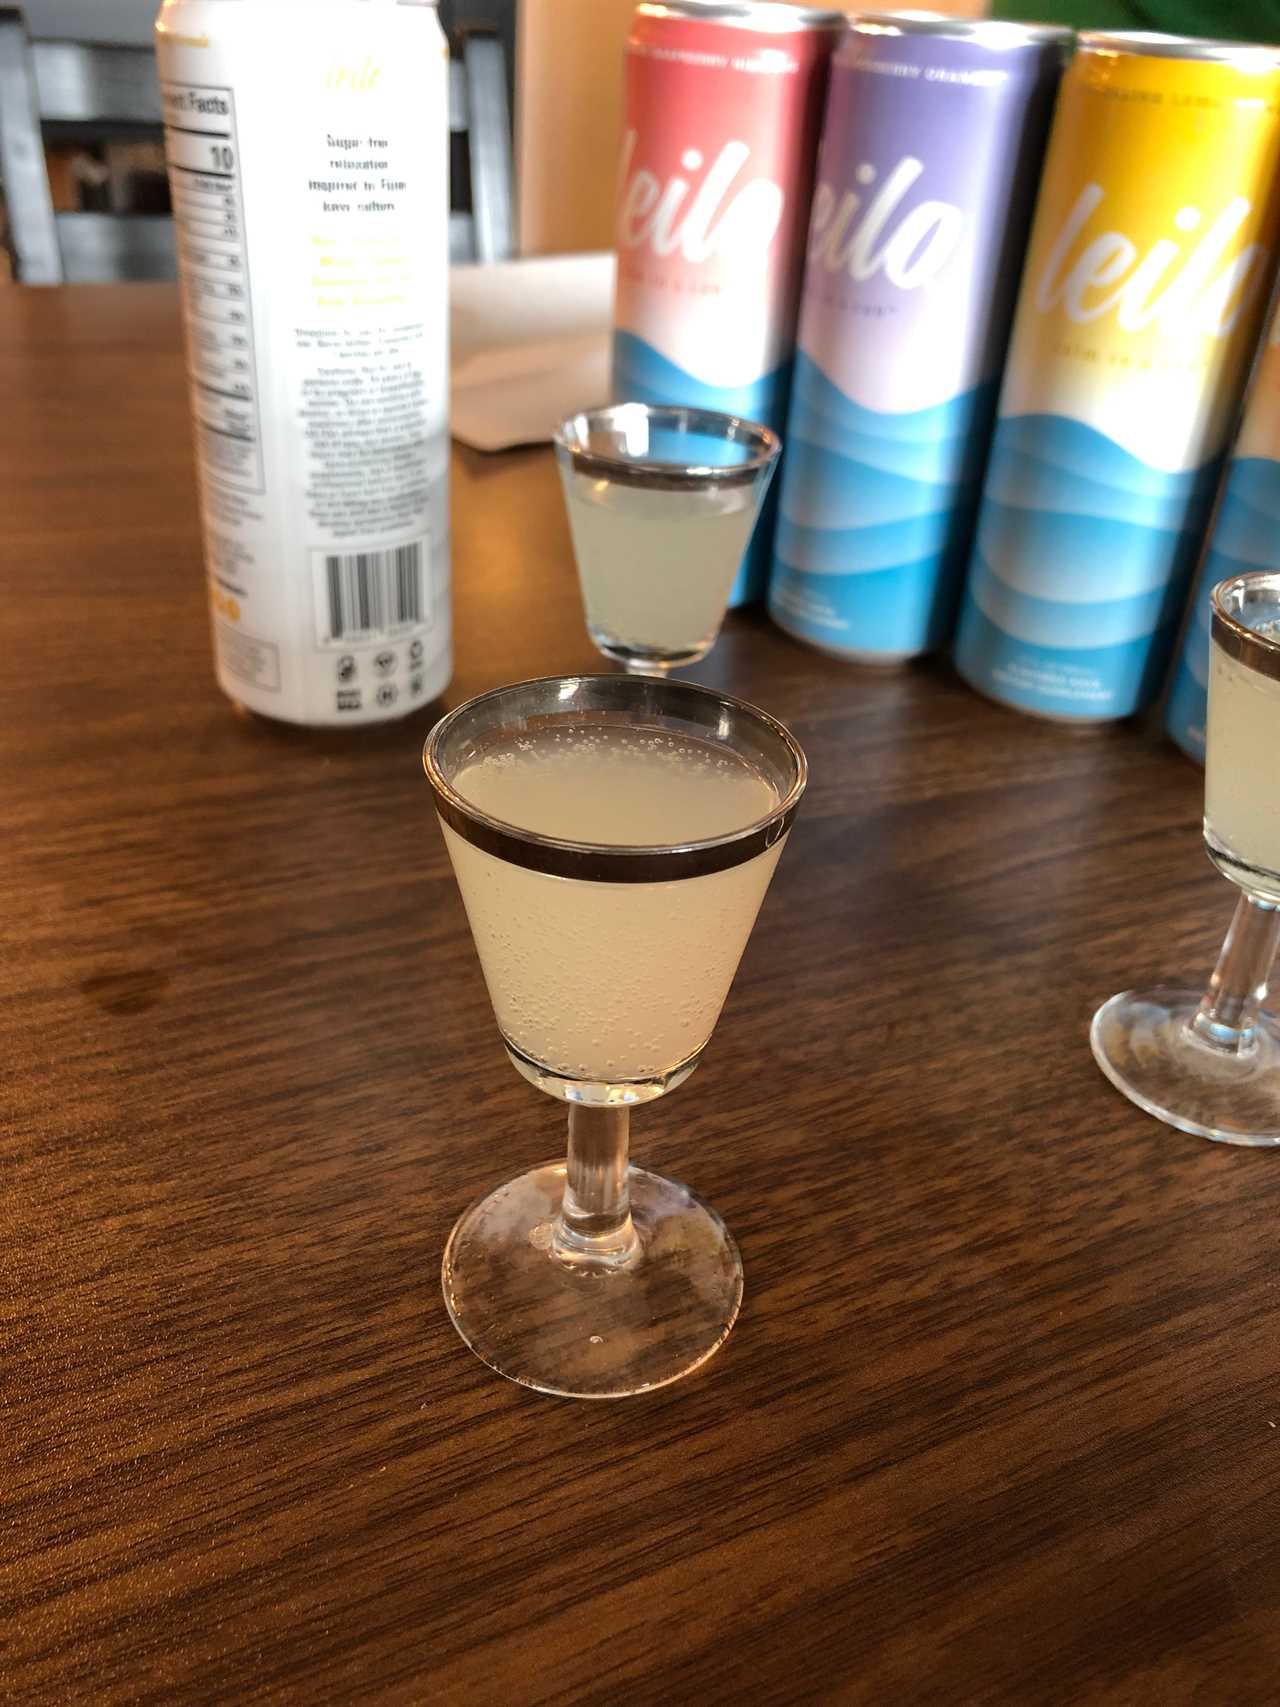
1143, 1042
592, 1330
646, 660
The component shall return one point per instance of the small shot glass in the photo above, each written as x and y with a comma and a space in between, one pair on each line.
662, 502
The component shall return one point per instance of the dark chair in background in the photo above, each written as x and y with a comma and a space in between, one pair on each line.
58, 92
52, 92
481, 226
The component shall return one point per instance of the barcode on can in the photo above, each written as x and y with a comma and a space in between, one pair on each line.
363, 595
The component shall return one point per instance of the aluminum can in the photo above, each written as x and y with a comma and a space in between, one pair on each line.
1145, 284
927, 173
308, 161
723, 107
1244, 536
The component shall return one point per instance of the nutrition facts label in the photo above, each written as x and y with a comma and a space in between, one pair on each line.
204, 166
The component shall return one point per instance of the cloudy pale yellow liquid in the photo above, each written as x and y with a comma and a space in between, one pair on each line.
656, 567
611, 982
1242, 769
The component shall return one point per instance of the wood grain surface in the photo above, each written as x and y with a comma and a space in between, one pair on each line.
999, 1420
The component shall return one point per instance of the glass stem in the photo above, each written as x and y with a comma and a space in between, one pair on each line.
594, 1227
1228, 1014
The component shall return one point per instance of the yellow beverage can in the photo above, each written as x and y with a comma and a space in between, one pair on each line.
1146, 277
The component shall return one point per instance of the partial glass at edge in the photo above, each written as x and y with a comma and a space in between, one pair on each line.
662, 502
607, 966
1209, 1062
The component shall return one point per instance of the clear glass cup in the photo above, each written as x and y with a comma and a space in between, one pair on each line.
613, 838
662, 502
1209, 1062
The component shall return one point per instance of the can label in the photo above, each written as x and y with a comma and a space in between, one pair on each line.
1245, 536
1145, 281
717, 168
926, 179
308, 177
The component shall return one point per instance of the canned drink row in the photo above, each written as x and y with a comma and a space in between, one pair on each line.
1066, 486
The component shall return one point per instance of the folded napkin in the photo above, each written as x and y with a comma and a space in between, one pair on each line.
530, 345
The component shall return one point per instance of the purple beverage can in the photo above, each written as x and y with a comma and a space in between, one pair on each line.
927, 172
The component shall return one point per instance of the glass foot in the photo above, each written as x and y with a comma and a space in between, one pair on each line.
645, 660
1143, 1042
592, 1331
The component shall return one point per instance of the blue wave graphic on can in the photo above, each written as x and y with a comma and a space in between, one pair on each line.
1246, 536
876, 518
1079, 570
642, 374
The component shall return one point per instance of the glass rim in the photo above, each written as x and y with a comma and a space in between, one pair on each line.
1260, 652
614, 862
764, 446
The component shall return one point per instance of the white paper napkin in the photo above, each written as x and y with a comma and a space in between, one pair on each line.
530, 345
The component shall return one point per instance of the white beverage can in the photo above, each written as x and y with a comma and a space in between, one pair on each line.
307, 143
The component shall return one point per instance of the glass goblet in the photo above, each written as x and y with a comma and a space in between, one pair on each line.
613, 838
1209, 1062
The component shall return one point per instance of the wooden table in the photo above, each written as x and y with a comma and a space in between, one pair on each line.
999, 1420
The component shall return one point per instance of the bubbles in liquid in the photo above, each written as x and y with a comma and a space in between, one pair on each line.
617, 784
602, 980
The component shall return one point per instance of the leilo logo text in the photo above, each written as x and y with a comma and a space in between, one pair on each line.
1178, 285
864, 232
717, 208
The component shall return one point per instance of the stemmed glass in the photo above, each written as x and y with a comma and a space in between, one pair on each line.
662, 502
1210, 1063
613, 838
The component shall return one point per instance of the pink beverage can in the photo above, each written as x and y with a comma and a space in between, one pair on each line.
723, 110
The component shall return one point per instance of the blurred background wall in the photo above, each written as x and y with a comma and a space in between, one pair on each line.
565, 59
566, 63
